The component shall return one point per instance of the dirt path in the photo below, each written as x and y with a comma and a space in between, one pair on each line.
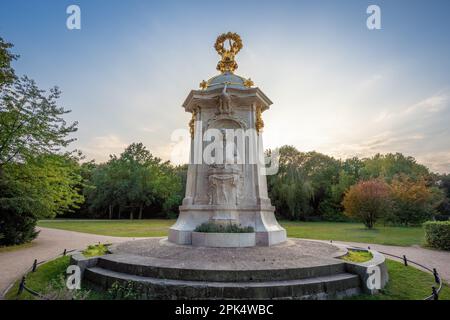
48, 244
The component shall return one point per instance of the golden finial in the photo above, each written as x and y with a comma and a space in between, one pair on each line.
249, 83
227, 64
203, 85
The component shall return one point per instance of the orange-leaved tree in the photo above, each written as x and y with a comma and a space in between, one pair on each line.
367, 201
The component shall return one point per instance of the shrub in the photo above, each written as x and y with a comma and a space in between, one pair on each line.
95, 250
17, 223
437, 234
211, 227
124, 291
367, 201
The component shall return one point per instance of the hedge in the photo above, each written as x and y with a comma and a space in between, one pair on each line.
437, 234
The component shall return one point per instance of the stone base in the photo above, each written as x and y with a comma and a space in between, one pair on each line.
158, 269
223, 240
261, 219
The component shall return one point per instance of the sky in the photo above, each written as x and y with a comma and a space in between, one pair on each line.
337, 87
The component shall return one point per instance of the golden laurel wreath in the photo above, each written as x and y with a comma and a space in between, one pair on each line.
227, 64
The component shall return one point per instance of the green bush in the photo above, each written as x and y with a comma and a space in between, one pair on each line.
211, 227
437, 234
17, 223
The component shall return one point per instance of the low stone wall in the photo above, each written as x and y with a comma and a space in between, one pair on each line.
81, 261
373, 273
223, 240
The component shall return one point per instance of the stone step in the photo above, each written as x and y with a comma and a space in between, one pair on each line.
308, 267
324, 287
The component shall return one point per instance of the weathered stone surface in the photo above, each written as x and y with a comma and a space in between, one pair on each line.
327, 287
223, 240
233, 189
295, 269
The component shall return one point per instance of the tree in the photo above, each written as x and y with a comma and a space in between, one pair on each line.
31, 122
291, 189
41, 188
413, 201
7, 74
135, 180
349, 175
390, 165
367, 201
36, 179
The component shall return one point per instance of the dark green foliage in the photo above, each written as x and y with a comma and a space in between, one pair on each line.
133, 183
36, 179
7, 74
17, 222
124, 291
390, 165
210, 227
31, 122
437, 234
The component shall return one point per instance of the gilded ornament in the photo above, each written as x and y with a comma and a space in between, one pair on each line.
249, 83
228, 64
259, 124
192, 123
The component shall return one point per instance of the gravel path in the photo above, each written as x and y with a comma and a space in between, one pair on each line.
47, 245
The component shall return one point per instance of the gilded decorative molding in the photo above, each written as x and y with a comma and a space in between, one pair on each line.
228, 64
259, 123
192, 122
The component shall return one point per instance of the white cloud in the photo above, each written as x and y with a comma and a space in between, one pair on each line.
99, 148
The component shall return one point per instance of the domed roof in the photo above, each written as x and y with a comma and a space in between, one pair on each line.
230, 79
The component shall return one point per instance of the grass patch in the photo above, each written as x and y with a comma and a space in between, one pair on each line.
39, 280
16, 247
343, 231
95, 250
116, 228
355, 232
357, 256
406, 283
49, 279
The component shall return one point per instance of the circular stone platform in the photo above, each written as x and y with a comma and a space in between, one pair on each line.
294, 253
158, 269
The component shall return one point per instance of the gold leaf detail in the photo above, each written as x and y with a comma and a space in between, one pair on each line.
227, 63
259, 123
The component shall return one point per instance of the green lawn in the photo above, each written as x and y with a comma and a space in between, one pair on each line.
406, 283
356, 232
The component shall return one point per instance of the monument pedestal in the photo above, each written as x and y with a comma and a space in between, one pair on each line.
268, 231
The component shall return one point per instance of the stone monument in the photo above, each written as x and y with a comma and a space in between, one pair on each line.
227, 184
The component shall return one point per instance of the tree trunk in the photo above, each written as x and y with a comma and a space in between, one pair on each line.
110, 212
120, 211
140, 212
131, 213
